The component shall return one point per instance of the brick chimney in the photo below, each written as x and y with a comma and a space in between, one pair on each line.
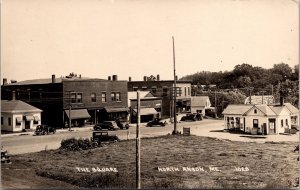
129, 79
281, 100
4, 81
53, 78
109, 77
145, 78
115, 77
157, 78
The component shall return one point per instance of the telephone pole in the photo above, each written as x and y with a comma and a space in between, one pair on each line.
138, 144
175, 90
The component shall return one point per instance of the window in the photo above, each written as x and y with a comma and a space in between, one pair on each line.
1, 120
282, 123
18, 121
165, 91
9, 121
79, 97
154, 89
118, 96
286, 122
93, 97
179, 91
144, 88
184, 91
103, 97
115, 96
73, 97
189, 91
255, 110
135, 88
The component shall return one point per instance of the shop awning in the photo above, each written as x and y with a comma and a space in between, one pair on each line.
78, 114
110, 110
19, 119
29, 117
146, 111
36, 118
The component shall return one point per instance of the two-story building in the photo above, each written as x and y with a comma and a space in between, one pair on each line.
79, 98
165, 90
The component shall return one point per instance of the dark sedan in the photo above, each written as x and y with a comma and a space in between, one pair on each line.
156, 122
44, 130
109, 125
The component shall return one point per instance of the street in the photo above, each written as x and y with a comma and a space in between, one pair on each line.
19, 144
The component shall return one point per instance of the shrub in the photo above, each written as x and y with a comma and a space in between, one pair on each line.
73, 144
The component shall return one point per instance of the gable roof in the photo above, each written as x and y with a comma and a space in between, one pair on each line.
17, 106
266, 109
199, 100
292, 108
237, 109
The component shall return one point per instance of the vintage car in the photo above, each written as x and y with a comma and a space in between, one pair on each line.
109, 125
100, 136
44, 130
192, 117
156, 122
122, 124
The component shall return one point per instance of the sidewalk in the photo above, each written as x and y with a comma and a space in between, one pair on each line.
85, 128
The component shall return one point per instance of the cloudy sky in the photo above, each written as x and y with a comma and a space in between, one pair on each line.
98, 38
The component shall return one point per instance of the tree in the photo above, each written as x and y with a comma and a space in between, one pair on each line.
151, 78
282, 69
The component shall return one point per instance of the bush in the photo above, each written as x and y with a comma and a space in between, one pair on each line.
73, 144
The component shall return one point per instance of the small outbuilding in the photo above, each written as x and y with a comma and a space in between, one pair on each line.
17, 115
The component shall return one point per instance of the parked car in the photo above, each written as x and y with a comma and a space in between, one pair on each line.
44, 130
100, 136
295, 127
156, 122
192, 117
122, 124
109, 125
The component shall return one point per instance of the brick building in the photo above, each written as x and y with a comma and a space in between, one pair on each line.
164, 89
82, 98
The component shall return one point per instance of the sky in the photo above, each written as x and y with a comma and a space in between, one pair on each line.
100, 38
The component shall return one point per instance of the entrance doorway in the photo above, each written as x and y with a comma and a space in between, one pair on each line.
27, 124
272, 126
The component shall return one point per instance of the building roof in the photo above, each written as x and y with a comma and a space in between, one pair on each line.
292, 108
57, 80
266, 109
237, 109
269, 110
17, 106
162, 81
199, 100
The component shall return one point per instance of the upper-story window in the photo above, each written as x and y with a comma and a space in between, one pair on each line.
144, 88
115, 96
255, 110
184, 91
135, 88
103, 97
179, 92
189, 91
73, 97
93, 97
79, 97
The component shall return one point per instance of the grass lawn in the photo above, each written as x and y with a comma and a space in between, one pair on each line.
187, 158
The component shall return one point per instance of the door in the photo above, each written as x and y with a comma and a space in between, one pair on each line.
272, 126
255, 123
27, 124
